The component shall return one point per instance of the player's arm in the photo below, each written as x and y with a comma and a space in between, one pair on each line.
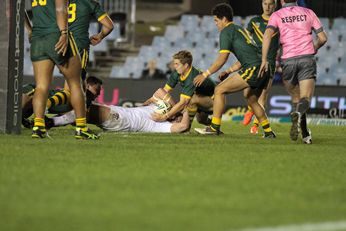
161, 93
107, 27
235, 67
61, 20
178, 107
320, 40
267, 38
219, 62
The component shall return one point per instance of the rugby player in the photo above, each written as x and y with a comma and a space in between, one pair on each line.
192, 97
52, 45
257, 27
234, 38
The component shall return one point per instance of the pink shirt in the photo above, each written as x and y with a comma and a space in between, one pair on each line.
295, 25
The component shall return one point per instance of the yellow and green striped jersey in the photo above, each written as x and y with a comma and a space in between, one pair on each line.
234, 38
257, 27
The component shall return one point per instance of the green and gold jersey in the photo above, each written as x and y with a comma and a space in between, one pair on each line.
234, 38
186, 82
44, 18
257, 27
80, 13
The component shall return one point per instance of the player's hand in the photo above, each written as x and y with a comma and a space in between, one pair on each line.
199, 80
95, 39
62, 44
223, 75
263, 69
158, 117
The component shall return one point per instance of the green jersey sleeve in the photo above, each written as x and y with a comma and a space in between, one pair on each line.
225, 41
173, 80
97, 10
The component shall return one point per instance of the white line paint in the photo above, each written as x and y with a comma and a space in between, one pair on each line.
326, 226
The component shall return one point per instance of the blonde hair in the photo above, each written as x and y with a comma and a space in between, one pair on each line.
184, 56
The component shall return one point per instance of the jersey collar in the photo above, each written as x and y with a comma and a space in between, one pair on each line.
184, 77
266, 18
290, 4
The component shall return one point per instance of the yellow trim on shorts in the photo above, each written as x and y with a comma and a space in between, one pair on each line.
102, 17
245, 73
224, 51
84, 59
251, 74
73, 44
185, 96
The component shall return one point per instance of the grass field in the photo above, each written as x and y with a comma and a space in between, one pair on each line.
154, 182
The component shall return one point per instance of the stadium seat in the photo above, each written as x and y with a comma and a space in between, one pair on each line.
339, 24
189, 22
93, 28
172, 33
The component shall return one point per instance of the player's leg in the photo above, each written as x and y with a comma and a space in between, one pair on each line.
249, 113
307, 88
59, 98
198, 101
252, 99
71, 71
262, 100
232, 84
43, 71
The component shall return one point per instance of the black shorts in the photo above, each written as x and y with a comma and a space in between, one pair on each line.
298, 69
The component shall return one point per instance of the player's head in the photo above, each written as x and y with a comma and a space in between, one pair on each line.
182, 61
268, 6
223, 14
94, 86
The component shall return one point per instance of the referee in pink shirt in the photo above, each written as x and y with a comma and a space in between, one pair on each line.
295, 25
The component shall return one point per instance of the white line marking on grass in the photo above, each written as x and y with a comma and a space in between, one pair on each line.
326, 226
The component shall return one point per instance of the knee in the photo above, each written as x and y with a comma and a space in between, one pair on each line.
219, 91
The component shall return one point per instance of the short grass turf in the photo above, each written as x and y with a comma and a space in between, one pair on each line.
183, 182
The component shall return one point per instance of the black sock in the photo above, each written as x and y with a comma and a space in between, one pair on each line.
303, 105
294, 107
303, 125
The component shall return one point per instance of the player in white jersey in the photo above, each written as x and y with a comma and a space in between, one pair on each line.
122, 119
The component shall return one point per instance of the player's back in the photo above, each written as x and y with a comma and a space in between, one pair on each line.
136, 119
44, 18
295, 25
235, 39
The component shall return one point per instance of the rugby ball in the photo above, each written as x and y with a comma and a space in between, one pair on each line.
162, 107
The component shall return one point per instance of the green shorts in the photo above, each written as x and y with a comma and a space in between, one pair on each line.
206, 89
84, 54
250, 75
43, 48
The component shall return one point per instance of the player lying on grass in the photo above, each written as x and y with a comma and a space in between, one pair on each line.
93, 89
195, 99
137, 119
